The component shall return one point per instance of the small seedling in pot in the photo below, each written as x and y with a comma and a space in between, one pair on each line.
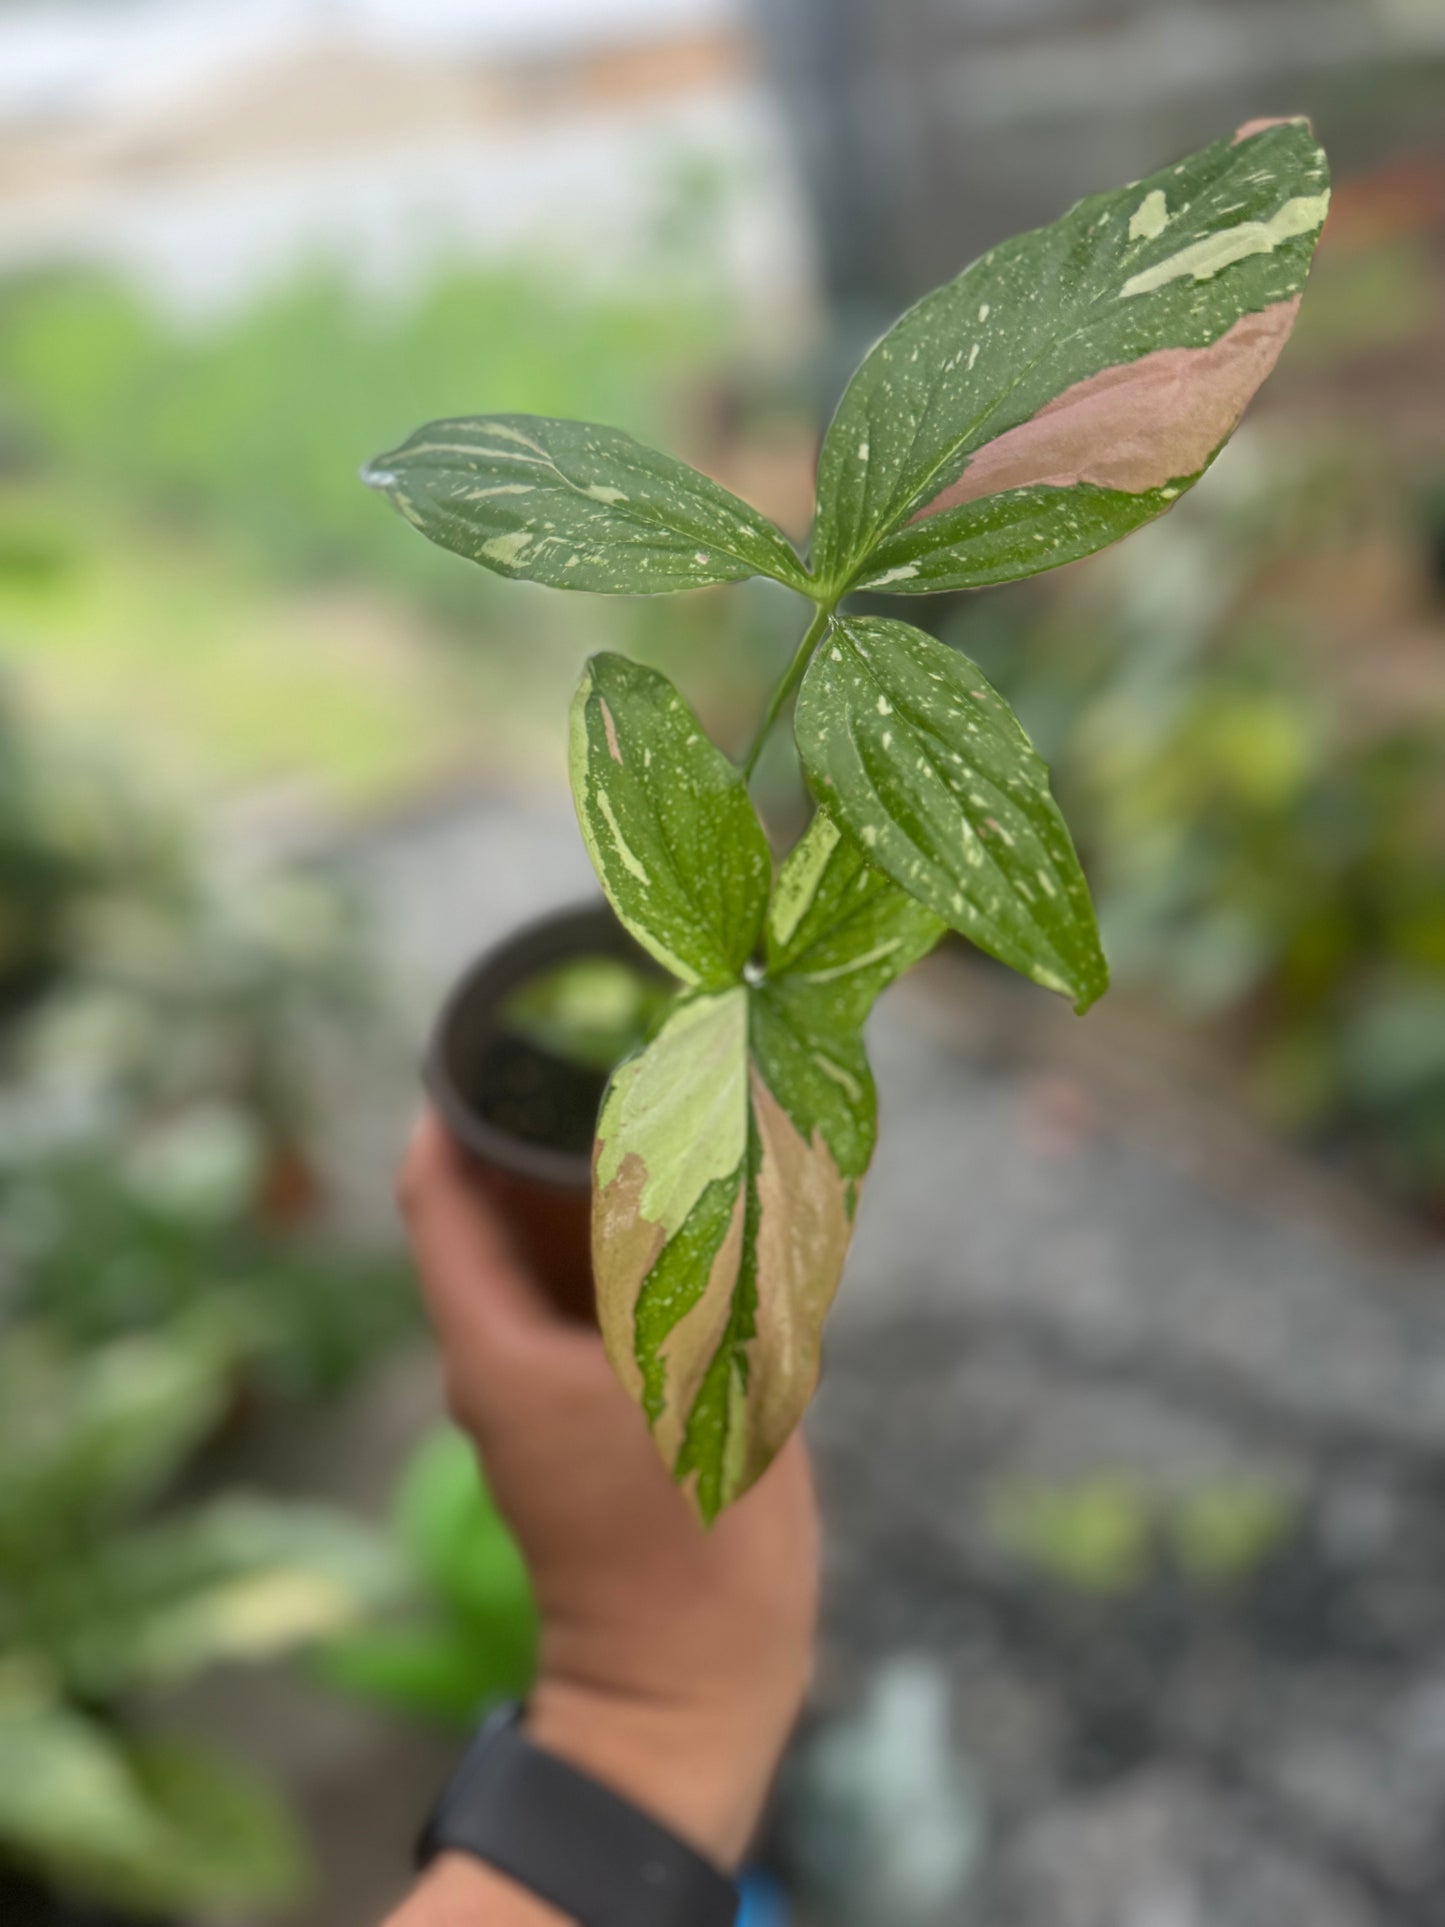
1064, 390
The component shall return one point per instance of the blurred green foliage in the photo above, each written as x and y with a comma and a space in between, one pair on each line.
1258, 790
162, 1261
255, 428
105, 1595
61, 842
188, 560
158, 1095
468, 1634
98, 1241
1113, 1533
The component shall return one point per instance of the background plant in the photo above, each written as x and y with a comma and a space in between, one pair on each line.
164, 1264
1263, 838
1065, 389
108, 1595
160, 1096
465, 1630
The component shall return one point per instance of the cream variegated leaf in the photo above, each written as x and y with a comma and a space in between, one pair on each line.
577, 506
1076, 380
667, 822
719, 1232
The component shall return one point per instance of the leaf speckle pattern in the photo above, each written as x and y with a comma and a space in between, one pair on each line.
667, 823
1172, 262
966, 823
577, 506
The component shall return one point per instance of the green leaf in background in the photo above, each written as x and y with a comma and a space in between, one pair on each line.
470, 1635
454, 1534
578, 507
436, 1669
91, 1439
667, 822
145, 1825
729, 1155
233, 1840
1074, 381
930, 770
242, 1578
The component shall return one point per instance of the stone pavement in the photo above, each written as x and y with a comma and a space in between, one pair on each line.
1039, 1301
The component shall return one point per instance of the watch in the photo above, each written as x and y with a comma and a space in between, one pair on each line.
569, 1840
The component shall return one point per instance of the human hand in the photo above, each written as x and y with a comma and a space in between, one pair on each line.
673, 1659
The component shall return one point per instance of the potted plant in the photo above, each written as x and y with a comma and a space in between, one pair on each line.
1062, 391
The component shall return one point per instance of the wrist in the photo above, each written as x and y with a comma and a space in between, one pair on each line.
701, 1770
458, 1891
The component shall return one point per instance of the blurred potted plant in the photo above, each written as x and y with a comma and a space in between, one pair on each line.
1065, 389
157, 1107
53, 858
108, 1597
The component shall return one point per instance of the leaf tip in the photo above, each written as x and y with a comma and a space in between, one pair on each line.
379, 474
1091, 993
706, 1502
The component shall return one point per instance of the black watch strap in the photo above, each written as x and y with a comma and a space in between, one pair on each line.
570, 1841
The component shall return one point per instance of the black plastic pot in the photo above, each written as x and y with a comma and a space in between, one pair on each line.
478, 1074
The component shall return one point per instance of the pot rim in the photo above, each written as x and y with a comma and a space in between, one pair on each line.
576, 929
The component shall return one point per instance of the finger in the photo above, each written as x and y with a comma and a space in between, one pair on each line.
478, 1292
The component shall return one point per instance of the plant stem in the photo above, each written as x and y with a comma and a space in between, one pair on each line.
789, 682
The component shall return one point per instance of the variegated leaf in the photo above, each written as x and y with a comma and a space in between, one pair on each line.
1074, 381
840, 929
729, 1156
667, 822
577, 506
927, 766
719, 1232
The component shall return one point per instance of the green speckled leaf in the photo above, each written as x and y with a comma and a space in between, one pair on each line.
838, 928
928, 768
1004, 538
1074, 381
577, 506
667, 822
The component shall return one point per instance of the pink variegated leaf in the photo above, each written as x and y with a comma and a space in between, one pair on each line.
1073, 383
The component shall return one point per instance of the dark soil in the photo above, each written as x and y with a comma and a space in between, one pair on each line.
536, 1096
